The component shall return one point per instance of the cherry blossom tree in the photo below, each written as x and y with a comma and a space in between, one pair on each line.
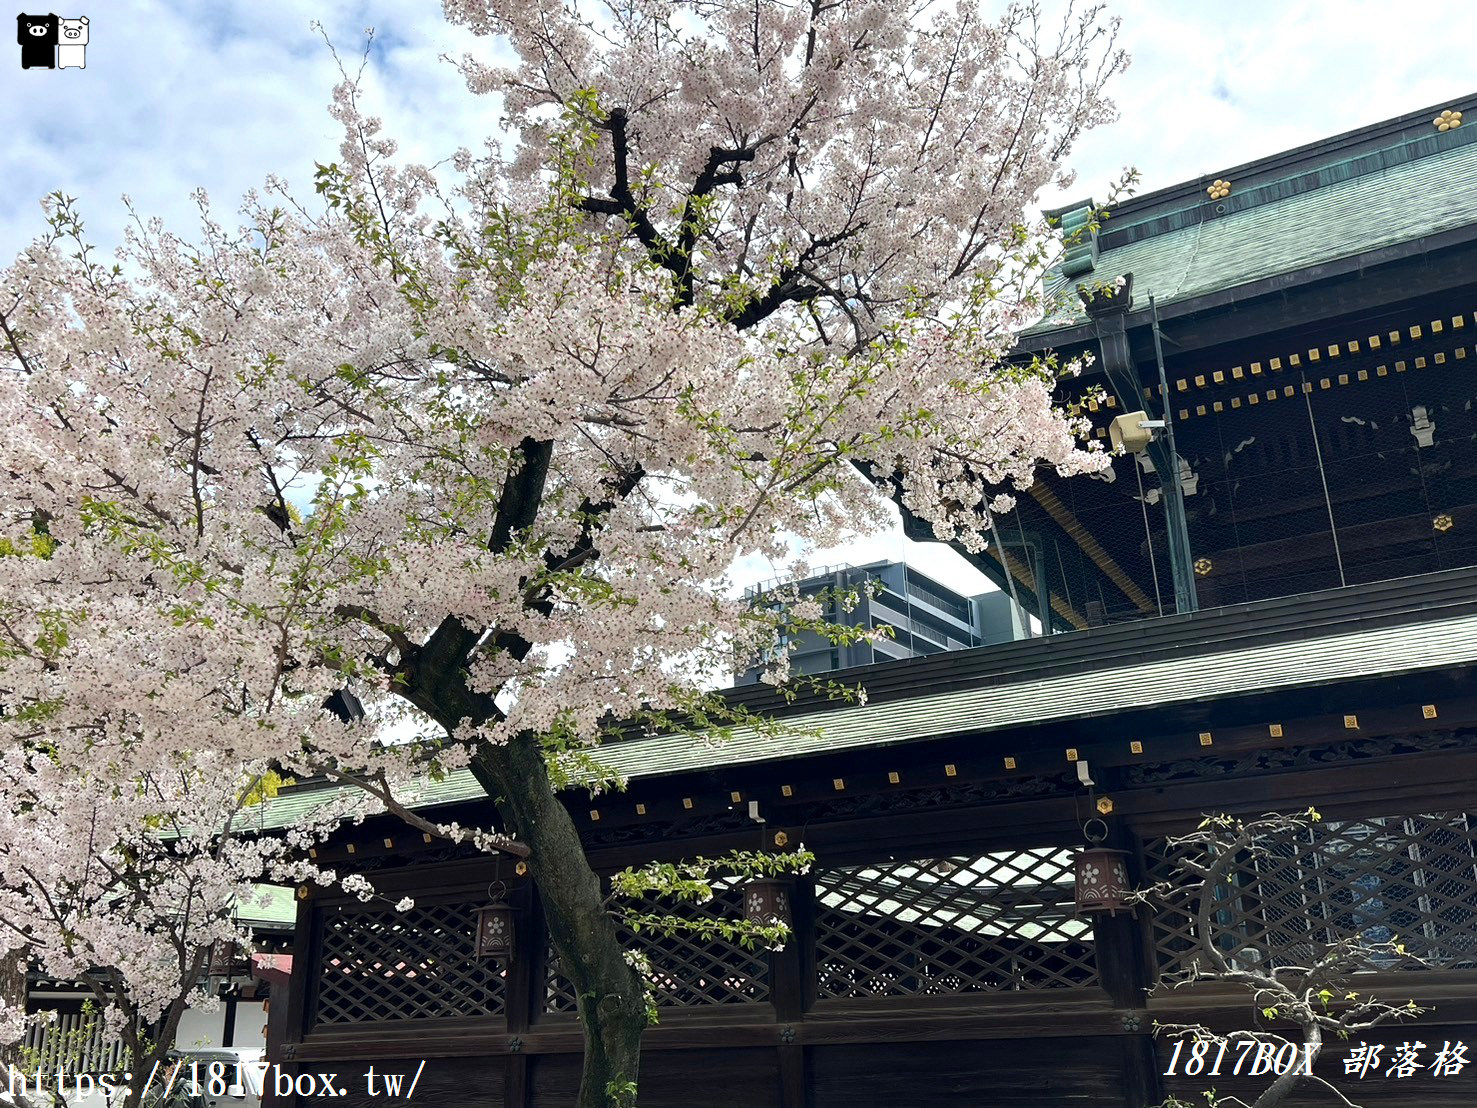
483, 447
128, 891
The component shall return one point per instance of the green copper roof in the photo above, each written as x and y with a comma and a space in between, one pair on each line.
1241, 669
269, 907
1281, 218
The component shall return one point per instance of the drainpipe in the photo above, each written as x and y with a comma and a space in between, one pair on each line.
1108, 308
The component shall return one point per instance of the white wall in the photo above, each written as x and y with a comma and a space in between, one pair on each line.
198, 1028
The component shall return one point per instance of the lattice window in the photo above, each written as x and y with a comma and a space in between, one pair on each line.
688, 970
1410, 880
997, 922
385, 965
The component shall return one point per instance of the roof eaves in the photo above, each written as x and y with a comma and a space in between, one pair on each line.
1379, 149
1421, 623
1413, 129
1081, 332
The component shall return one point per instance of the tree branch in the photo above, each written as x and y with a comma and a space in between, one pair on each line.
379, 788
623, 202
15, 345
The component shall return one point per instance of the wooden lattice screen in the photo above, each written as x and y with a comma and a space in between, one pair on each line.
1409, 880
687, 970
380, 964
951, 925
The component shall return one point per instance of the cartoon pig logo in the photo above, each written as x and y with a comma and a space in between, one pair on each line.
72, 44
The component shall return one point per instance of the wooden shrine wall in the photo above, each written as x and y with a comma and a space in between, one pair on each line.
937, 959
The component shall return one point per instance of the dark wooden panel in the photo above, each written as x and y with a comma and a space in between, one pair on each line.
726, 1078
884, 1020
553, 1081
732, 1078
1376, 1089
1016, 1074
464, 1082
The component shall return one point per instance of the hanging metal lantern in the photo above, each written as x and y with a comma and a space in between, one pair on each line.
767, 901
223, 960
1102, 880
1100, 874
495, 926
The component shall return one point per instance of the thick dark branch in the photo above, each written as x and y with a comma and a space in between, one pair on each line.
713, 176
788, 284
677, 259
623, 202
621, 486
430, 676
785, 289
523, 494
599, 206
536, 597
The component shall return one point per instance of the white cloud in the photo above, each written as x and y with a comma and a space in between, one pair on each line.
1214, 85
217, 96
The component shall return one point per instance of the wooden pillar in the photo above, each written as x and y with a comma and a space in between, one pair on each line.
792, 1076
1119, 947
1142, 1084
289, 1005
1125, 974
792, 990
276, 970
523, 999
228, 1023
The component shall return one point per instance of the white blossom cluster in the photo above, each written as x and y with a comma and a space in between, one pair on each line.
246, 469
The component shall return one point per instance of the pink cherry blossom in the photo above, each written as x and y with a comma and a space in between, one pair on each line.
741, 254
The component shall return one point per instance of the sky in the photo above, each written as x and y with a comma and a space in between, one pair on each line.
219, 93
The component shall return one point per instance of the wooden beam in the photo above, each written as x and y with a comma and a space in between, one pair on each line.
1143, 1085
1022, 573
1092, 548
791, 1063
981, 1017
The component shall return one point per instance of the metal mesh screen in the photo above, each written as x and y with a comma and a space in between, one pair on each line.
1411, 881
380, 964
1303, 469
935, 927
687, 969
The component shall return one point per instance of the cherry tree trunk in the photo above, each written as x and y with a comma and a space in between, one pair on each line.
611, 1005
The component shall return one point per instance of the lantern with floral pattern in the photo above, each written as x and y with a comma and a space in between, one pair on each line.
495, 931
767, 901
1101, 879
